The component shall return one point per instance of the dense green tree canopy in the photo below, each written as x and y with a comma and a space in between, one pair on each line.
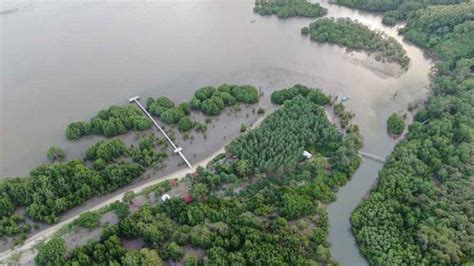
76, 130
371, 5
172, 115
55, 153
289, 8
315, 95
185, 124
395, 10
422, 209
395, 124
168, 111
88, 220
52, 189
106, 150
212, 101
355, 35
11, 225
110, 122
274, 219
158, 106
279, 142
446, 30
52, 252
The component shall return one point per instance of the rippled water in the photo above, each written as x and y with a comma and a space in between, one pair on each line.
64, 60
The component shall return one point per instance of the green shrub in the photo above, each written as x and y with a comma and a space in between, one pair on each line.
185, 124
395, 124
51, 253
76, 130
88, 220
55, 153
172, 115
305, 31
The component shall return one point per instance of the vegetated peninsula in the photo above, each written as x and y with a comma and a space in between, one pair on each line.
259, 203
422, 209
54, 188
289, 8
395, 10
354, 35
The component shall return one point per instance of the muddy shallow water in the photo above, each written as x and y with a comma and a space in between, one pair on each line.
63, 61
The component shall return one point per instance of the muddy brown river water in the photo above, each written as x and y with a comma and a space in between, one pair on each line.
63, 61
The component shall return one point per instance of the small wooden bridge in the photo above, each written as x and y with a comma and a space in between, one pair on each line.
372, 157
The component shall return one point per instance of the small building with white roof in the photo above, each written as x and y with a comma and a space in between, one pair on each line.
307, 155
165, 197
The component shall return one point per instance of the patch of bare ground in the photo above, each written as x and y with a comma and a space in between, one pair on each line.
81, 236
138, 202
109, 218
178, 191
133, 244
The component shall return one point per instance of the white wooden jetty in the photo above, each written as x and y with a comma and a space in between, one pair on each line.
177, 149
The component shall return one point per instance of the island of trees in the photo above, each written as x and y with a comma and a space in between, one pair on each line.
118, 120
422, 209
289, 8
395, 10
395, 124
260, 203
354, 35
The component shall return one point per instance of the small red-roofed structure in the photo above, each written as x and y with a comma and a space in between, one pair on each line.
187, 198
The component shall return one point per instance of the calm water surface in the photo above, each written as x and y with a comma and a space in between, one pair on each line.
63, 61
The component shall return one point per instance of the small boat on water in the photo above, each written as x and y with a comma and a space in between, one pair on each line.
253, 21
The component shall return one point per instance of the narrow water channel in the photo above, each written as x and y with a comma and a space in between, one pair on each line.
343, 243
89, 55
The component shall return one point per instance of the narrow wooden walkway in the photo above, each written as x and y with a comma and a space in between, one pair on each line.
372, 157
177, 149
